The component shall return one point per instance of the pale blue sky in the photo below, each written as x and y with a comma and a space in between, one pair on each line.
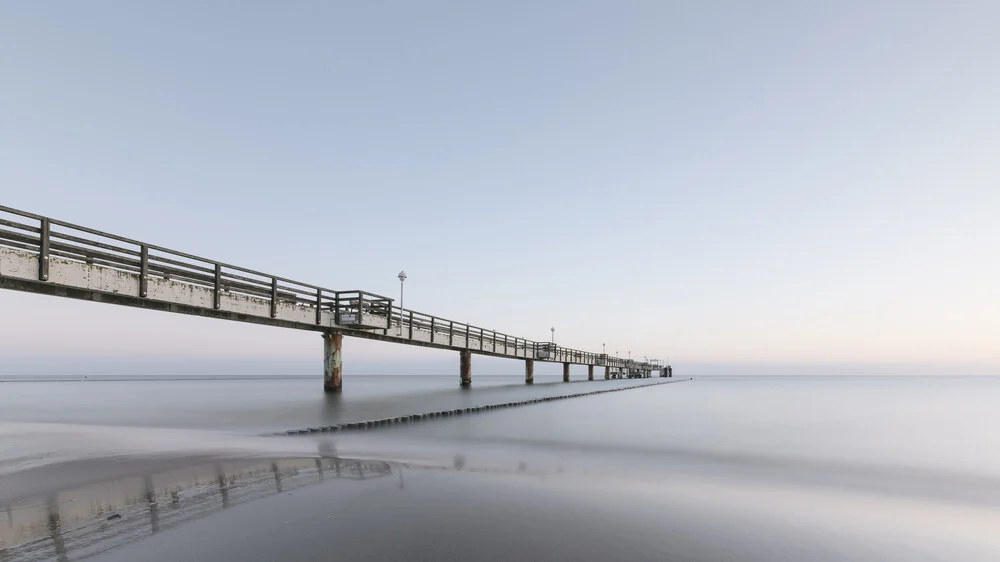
723, 182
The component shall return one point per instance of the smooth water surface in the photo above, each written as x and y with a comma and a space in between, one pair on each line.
717, 468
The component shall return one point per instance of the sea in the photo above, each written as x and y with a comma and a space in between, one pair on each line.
412, 467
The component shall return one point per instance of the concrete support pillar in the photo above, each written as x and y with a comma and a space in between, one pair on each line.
565, 372
590, 372
607, 373
332, 366
529, 371
465, 366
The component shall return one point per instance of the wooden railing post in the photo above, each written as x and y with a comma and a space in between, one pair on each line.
143, 270
432, 329
217, 297
319, 306
43, 251
274, 297
411, 324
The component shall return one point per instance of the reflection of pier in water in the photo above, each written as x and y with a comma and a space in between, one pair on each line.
87, 520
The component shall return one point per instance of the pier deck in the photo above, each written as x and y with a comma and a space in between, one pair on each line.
42, 255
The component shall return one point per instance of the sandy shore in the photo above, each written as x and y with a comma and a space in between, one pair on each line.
321, 508
225, 508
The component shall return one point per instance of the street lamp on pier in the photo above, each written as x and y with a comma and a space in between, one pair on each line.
402, 277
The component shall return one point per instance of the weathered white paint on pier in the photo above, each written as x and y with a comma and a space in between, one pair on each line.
62, 259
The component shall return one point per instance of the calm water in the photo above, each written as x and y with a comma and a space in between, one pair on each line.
718, 468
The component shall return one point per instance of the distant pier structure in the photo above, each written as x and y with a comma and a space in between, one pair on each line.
46, 256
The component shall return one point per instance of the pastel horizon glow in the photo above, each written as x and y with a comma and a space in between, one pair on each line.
723, 183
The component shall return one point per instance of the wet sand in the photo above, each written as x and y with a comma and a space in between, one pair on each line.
225, 508
353, 509
729, 470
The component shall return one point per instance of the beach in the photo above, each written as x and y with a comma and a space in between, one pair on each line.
672, 472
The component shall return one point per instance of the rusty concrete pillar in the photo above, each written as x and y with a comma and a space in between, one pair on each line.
465, 365
565, 372
607, 372
332, 366
529, 371
590, 372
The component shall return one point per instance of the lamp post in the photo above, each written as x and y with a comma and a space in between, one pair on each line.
553, 335
402, 277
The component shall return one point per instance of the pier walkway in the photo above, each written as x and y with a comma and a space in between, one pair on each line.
42, 255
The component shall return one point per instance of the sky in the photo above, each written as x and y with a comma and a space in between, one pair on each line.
776, 183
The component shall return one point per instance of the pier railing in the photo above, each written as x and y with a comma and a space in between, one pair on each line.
55, 238
49, 238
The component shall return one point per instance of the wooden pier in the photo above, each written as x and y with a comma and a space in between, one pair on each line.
42, 255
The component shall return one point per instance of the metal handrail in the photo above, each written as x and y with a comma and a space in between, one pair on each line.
57, 222
222, 277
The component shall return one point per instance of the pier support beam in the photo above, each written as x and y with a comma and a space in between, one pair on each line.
529, 371
590, 372
607, 373
332, 365
565, 372
465, 365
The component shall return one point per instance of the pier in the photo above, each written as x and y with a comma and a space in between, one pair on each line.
46, 256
